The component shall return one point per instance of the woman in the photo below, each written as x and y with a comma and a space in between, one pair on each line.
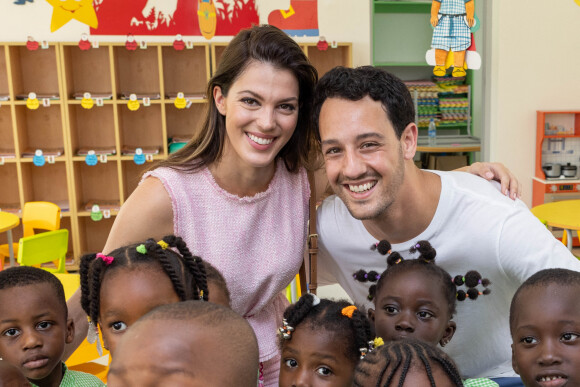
237, 193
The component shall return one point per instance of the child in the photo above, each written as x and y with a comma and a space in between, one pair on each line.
117, 289
34, 327
545, 328
416, 298
321, 342
187, 343
407, 362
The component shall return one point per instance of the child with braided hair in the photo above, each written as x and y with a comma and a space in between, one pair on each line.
415, 298
407, 362
321, 342
117, 289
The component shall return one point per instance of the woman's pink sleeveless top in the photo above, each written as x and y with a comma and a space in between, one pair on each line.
256, 242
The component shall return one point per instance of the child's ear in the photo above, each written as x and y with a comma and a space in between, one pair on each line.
371, 314
70, 331
514, 363
449, 332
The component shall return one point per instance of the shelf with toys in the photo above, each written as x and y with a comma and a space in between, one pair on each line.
94, 106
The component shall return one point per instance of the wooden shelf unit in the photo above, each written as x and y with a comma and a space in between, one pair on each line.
63, 69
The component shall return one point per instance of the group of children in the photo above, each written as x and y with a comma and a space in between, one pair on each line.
154, 288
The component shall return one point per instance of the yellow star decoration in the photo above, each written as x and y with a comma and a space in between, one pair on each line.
577, 2
65, 10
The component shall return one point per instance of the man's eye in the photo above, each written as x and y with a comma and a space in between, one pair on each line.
119, 326
331, 151
324, 371
292, 363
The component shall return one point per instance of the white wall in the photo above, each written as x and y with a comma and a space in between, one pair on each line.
534, 65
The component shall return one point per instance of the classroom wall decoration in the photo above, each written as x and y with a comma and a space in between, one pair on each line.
301, 19
207, 18
66, 10
453, 24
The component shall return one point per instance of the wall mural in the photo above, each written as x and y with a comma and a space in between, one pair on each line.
207, 18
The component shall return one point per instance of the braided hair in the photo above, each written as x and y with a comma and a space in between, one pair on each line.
186, 272
396, 264
381, 365
316, 314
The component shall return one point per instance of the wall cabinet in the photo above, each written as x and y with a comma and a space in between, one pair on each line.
65, 128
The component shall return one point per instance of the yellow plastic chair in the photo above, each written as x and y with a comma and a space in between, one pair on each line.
35, 216
43, 248
83, 358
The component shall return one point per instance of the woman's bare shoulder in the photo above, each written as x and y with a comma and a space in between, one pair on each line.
147, 213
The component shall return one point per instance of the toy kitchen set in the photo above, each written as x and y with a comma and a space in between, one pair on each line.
556, 174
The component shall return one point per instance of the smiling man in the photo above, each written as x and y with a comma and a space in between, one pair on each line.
365, 124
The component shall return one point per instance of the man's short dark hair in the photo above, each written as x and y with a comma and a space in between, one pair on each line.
355, 84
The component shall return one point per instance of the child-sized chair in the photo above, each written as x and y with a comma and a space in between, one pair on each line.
35, 216
45, 247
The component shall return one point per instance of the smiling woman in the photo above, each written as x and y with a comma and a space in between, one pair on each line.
243, 171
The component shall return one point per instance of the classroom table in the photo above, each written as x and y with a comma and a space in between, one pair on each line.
7, 222
563, 214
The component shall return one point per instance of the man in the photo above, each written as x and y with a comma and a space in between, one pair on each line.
365, 122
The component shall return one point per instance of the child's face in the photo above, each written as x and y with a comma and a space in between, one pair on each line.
33, 332
315, 358
170, 353
409, 305
128, 294
546, 336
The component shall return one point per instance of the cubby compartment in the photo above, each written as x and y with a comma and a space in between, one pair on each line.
141, 128
87, 71
46, 183
10, 198
185, 71
93, 235
97, 184
92, 129
34, 71
4, 91
184, 123
132, 176
217, 50
7, 146
330, 58
40, 129
137, 71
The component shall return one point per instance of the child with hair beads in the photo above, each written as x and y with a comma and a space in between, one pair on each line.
415, 298
409, 363
187, 343
34, 328
117, 289
545, 328
321, 342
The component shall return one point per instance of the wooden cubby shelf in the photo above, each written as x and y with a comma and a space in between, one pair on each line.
110, 73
